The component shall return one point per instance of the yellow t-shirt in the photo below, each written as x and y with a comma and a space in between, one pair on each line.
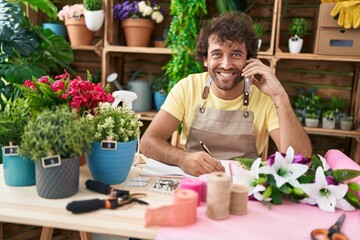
187, 94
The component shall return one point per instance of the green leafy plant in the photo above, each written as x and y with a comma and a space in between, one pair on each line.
312, 115
160, 83
181, 38
27, 50
329, 115
92, 5
298, 27
55, 132
118, 124
259, 29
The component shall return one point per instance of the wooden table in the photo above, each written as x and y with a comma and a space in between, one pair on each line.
22, 205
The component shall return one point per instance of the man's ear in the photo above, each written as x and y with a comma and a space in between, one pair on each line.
205, 62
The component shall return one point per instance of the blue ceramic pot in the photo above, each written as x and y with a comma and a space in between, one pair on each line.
111, 166
159, 99
58, 29
18, 171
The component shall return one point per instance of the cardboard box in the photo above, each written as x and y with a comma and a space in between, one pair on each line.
324, 18
330, 38
337, 41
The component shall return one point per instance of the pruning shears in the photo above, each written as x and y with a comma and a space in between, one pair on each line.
117, 198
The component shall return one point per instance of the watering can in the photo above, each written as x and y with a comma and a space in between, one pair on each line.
142, 88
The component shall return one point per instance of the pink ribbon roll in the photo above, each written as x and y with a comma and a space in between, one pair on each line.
181, 213
193, 184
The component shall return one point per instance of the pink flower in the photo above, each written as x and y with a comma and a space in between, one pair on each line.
28, 83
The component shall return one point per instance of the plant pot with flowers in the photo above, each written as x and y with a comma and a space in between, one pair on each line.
115, 132
74, 19
18, 170
138, 20
94, 14
80, 95
55, 139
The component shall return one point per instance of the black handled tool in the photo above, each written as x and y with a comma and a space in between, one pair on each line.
103, 188
95, 204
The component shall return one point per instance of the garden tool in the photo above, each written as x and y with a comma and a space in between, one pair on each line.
117, 198
111, 203
349, 13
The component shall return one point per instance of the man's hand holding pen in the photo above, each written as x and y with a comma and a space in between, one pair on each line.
198, 163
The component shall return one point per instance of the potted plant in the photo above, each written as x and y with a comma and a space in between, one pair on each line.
297, 29
312, 119
94, 14
138, 20
74, 19
328, 120
18, 170
160, 86
346, 122
259, 30
55, 139
115, 132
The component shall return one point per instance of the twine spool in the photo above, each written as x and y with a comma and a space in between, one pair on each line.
218, 196
238, 199
181, 213
204, 179
193, 184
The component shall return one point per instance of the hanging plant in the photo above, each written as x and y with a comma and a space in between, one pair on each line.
181, 38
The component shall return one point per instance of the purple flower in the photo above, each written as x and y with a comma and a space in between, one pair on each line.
125, 10
298, 158
331, 180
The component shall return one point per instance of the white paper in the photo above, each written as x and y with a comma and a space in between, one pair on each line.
159, 169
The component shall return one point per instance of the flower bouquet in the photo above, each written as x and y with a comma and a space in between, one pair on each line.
115, 132
306, 180
80, 95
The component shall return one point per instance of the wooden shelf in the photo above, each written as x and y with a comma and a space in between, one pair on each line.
147, 116
311, 56
142, 50
333, 132
87, 47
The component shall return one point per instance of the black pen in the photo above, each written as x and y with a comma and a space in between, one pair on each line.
205, 148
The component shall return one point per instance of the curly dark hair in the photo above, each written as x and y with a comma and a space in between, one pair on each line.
234, 26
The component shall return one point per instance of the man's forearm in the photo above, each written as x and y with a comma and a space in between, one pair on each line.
292, 132
157, 148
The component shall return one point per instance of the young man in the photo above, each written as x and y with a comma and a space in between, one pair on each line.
215, 107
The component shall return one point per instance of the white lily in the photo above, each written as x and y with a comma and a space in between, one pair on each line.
249, 179
283, 170
327, 197
324, 163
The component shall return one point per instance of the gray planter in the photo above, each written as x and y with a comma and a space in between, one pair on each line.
60, 181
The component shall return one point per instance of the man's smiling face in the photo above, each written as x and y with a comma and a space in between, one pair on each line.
225, 61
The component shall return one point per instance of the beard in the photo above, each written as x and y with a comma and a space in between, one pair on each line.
226, 83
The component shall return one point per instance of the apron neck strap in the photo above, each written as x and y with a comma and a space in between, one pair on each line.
205, 94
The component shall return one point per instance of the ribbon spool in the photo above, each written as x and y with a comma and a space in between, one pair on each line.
204, 179
193, 184
181, 213
238, 199
218, 196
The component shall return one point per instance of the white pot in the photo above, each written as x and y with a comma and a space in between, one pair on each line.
345, 124
94, 19
312, 123
295, 44
329, 124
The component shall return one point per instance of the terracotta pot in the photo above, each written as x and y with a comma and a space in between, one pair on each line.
137, 31
78, 33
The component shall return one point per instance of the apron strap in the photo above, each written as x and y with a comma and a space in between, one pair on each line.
205, 94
